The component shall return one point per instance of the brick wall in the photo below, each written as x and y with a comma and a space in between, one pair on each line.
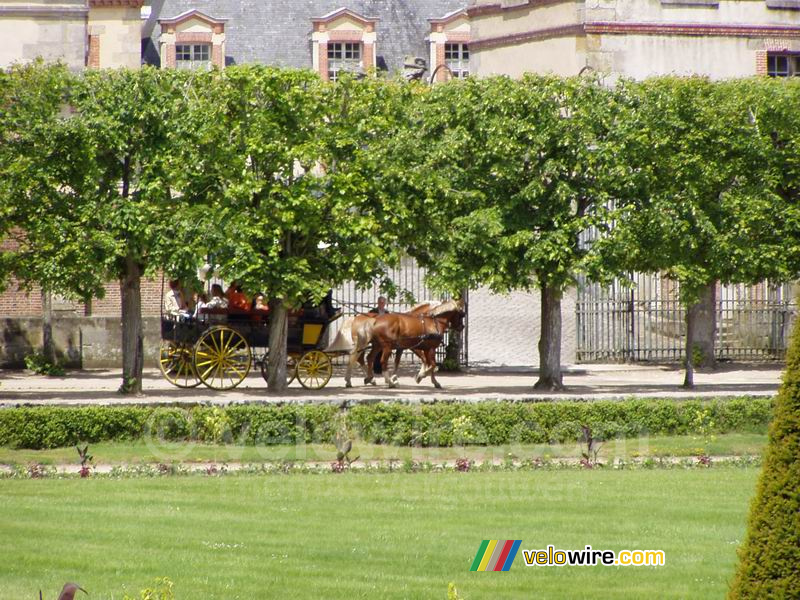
15, 302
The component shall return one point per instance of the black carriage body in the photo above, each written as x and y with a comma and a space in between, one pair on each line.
304, 333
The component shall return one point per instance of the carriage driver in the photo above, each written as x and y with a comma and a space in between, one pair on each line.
174, 302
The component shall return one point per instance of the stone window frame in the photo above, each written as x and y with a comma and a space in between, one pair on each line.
440, 36
363, 34
171, 38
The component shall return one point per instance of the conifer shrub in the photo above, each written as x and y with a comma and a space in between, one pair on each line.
769, 559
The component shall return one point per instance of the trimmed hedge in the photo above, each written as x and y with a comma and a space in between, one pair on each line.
438, 424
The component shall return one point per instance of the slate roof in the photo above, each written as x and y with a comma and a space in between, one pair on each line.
278, 32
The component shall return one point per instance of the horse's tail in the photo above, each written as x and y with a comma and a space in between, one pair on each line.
343, 342
361, 332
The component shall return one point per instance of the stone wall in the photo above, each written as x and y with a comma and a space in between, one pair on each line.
87, 342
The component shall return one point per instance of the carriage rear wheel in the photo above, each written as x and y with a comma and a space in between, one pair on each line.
314, 370
176, 364
291, 367
222, 358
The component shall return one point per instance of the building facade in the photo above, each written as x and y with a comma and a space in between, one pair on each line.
636, 38
325, 35
80, 33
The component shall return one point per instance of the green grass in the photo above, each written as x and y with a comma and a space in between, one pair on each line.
732, 444
371, 536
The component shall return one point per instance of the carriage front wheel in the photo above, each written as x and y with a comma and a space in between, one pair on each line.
222, 358
314, 370
177, 365
291, 367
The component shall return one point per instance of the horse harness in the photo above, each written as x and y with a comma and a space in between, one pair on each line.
425, 337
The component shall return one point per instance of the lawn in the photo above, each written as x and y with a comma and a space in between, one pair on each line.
155, 451
359, 535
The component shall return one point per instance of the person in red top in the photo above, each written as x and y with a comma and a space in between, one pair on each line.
236, 298
260, 307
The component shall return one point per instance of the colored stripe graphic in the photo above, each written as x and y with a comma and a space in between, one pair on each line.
479, 556
512, 555
501, 561
498, 550
487, 555
495, 555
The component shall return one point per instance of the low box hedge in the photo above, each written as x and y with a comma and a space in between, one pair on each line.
436, 424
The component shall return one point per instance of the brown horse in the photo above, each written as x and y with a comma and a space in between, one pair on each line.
421, 333
355, 336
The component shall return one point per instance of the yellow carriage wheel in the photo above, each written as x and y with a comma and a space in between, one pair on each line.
177, 366
222, 358
291, 367
314, 370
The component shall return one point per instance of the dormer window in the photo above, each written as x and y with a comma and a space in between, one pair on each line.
343, 41
449, 40
192, 40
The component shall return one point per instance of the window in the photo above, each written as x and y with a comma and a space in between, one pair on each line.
193, 56
343, 56
456, 57
783, 65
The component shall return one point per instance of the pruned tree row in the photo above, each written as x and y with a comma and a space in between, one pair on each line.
295, 185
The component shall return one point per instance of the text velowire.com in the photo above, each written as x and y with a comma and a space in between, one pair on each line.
550, 557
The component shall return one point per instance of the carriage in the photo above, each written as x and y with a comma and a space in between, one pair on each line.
220, 349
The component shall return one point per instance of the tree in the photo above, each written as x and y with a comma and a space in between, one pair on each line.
769, 556
282, 168
134, 123
504, 176
41, 170
707, 209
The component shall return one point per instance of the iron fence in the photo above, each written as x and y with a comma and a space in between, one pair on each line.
645, 321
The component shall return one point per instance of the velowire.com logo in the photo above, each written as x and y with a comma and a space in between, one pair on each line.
495, 555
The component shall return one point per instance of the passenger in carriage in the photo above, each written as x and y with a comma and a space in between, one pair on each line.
202, 302
218, 299
260, 308
236, 298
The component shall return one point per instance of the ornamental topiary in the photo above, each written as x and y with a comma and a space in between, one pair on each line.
769, 559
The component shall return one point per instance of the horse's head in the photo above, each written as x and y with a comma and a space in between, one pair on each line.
457, 320
454, 311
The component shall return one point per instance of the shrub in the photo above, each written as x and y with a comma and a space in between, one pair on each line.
37, 363
770, 555
438, 424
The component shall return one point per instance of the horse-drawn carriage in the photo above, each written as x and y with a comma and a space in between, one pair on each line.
219, 349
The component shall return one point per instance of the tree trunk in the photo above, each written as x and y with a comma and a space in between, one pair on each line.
48, 347
701, 328
132, 331
278, 331
550, 340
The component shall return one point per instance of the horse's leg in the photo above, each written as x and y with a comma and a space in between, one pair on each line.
370, 376
350, 360
398, 353
355, 356
386, 353
423, 366
431, 356
367, 377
